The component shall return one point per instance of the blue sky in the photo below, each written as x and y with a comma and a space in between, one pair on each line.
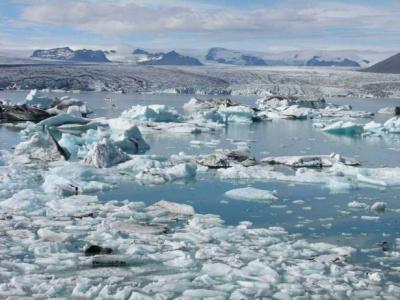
261, 25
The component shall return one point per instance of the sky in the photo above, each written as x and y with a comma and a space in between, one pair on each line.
259, 25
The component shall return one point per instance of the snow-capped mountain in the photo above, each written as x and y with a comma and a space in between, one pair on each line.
67, 54
310, 58
161, 58
233, 57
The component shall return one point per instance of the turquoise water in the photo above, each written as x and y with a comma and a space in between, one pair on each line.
322, 217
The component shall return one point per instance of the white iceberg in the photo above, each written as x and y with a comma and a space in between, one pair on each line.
152, 113
392, 125
344, 128
39, 146
105, 154
251, 194
36, 100
184, 171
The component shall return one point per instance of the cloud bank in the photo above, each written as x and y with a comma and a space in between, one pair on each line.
121, 17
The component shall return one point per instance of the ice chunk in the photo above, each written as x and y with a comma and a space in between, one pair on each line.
24, 200
392, 125
105, 154
153, 113
390, 110
251, 194
344, 128
62, 119
237, 114
130, 140
51, 236
40, 146
184, 171
357, 205
36, 100
195, 104
174, 208
373, 128
73, 206
312, 161
378, 207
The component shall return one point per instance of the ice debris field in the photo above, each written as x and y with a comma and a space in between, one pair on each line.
204, 199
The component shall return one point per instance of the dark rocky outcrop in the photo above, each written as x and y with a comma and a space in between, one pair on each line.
390, 65
96, 250
18, 113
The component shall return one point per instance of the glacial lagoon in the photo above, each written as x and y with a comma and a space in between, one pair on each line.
311, 211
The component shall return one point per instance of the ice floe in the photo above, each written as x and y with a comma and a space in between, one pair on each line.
313, 161
292, 108
152, 113
220, 111
251, 194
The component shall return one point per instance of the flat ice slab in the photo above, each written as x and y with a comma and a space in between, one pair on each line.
251, 194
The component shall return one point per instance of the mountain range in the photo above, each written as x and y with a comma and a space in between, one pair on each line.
214, 56
161, 58
67, 54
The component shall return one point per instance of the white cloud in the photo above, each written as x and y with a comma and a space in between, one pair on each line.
121, 17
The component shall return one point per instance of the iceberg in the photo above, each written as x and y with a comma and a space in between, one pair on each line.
184, 171
293, 108
152, 113
311, 161
344, 128
105, 154
237, 114
35, 100
174, 208
251, 194
220, 111
40, 146
392, 125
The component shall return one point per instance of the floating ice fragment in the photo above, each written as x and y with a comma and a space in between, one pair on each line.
40, 146
174, 208
344, 128
392, 125
311, 160
378, 207
183, 171
51, 236
105, 154
251, 194
357, 205
152, 113
36, 100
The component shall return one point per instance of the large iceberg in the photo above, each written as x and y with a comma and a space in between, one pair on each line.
344, 128
105, 154
220, 111
38, 101
392, 125
152, 113
293, 108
